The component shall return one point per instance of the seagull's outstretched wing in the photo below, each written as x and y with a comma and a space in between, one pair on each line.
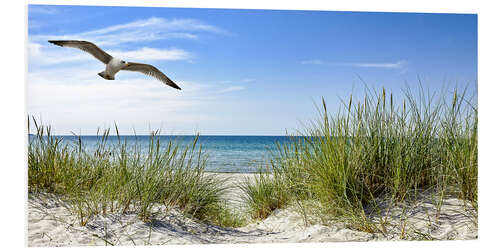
151, 70
85, 46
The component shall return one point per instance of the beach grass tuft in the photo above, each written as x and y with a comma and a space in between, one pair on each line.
376, 148
263, 194
123, 178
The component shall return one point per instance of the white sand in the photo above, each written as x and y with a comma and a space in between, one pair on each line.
51, 224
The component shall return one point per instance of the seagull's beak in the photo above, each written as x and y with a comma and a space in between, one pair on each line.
126, 64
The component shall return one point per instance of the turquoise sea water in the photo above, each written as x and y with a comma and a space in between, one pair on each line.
241, 154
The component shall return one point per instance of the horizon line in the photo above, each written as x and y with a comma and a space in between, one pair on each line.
161, 135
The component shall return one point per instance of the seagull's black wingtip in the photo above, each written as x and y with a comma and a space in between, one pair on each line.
56, 42
175, 86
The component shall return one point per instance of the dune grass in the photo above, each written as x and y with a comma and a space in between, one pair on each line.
263, 194
375, 148
122, 178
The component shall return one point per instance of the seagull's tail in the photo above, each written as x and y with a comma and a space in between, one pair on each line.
105, 76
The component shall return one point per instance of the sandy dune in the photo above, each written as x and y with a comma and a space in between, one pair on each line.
51, 224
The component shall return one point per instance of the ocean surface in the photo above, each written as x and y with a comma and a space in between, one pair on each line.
234, 154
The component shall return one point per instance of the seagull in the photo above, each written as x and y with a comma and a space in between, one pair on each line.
113, 64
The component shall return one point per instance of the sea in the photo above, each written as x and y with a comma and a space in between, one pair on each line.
226, 154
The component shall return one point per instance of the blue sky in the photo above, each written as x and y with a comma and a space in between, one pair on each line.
249, 72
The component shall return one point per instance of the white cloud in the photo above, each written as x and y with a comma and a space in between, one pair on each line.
44, 55
76, 95
161, 23
34, 49
248, 80
387, 65
315, 61
151, 54
395, 65
89, 102
49, 54
151, 29
231, 89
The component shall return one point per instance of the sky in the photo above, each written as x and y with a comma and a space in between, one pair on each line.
242, 72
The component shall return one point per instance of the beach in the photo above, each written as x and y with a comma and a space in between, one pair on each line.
227, 126
51, 224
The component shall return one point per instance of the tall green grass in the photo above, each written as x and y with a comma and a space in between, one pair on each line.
375, 147
122, 177
263, 194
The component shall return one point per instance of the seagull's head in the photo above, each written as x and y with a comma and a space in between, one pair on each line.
123, 64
